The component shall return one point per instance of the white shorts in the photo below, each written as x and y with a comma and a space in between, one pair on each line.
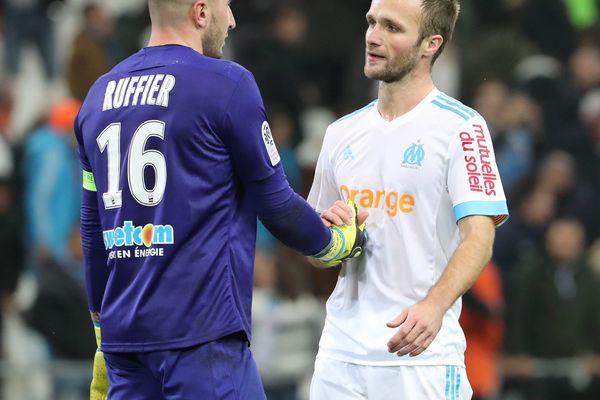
337, 380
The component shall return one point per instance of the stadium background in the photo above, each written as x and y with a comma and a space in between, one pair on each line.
530, 67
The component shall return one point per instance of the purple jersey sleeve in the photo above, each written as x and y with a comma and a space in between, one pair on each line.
247, 134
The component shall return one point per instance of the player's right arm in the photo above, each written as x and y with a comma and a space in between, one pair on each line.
346, 218
94, 252
95, 264
256, 163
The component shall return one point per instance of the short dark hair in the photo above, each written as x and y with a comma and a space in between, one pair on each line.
439, 18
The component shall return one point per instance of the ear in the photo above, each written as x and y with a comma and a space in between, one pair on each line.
199, 13
431, 45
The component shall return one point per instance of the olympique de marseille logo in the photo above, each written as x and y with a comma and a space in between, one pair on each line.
414, 155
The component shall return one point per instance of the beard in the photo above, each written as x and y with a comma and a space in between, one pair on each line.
213, 41
396, 70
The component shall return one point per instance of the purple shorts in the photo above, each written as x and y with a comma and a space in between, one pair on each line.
219, 370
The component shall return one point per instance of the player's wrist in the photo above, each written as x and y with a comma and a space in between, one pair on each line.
438, 301
97, 331
335, 246
95, 315
326, 257
347, 241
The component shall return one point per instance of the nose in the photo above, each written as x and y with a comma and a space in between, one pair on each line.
372, 36
231, 20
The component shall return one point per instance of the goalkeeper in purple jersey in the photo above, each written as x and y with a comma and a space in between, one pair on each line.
178, 162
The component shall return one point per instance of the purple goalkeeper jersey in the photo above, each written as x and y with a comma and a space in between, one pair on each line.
173, 145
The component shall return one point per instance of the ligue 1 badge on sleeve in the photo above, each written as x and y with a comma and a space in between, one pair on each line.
267, 137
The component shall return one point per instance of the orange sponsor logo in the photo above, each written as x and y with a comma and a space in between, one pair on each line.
391, 201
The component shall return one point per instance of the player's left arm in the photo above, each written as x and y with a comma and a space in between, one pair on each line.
479, 205
420, 324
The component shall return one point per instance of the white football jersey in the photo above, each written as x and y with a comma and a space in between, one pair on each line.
416, 176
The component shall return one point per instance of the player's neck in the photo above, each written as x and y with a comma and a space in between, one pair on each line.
166, 35
398, 98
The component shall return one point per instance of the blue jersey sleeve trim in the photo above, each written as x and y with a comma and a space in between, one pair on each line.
453, 102
496, 209
452, 109
371, 104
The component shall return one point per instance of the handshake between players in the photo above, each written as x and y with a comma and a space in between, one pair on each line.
348, 234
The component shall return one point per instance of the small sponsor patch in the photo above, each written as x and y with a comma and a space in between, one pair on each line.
270, 144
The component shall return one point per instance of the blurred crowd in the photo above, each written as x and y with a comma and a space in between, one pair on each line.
530, 67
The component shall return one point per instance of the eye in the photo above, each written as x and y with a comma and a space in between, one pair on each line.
392, 28
370, 21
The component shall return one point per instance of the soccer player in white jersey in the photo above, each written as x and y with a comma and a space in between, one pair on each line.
422, 165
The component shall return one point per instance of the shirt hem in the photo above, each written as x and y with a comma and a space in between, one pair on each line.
167, 345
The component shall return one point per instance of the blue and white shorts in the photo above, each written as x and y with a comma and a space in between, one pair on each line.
344, 381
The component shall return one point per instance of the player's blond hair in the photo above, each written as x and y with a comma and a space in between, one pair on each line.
439, 18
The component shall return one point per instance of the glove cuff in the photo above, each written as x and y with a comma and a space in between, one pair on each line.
96, 322
335, 247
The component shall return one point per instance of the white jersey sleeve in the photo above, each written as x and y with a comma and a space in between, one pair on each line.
473, 180
324, 190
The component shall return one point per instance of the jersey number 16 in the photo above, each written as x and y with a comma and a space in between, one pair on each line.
139, 159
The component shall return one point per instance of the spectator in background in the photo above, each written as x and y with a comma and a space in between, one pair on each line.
60, 310
335, 58
27, 21
514, 121
482, 322
554, 315
94, 51
52, 183
575, 197
283, 129
584, 66
547, 23
277, 59
60, 314
6, 110
553, 190
583, 15
589, 114
524, 231
132, 29
286, 324
562, 104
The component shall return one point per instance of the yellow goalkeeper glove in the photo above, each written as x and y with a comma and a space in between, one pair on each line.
347, 241
99, 386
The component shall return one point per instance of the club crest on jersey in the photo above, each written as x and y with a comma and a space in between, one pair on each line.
131, 235
414, 155
347, 154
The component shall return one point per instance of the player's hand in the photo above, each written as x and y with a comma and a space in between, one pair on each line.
347, 239
417, 326
341, 214
99, 386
